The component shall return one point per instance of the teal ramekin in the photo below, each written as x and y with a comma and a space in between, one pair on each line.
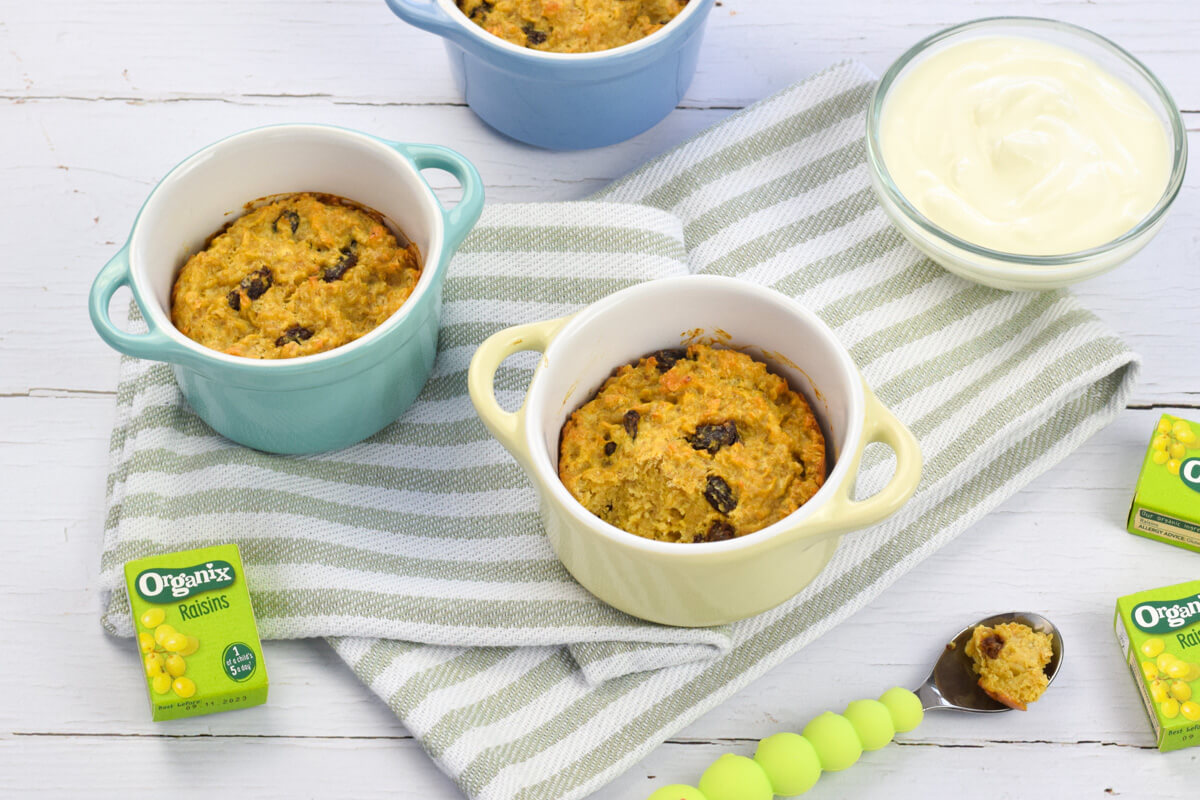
311, 403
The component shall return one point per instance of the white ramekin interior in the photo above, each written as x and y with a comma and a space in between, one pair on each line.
670, 313
217, 184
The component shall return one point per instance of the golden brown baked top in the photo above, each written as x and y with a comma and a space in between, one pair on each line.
693, 447
1011, 660
301, 275
571, 26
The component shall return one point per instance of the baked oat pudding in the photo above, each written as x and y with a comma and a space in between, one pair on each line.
300, 275
700, 445
571, 26
1011, 660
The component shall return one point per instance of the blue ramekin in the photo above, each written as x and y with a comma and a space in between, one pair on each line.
566, 101
311, 403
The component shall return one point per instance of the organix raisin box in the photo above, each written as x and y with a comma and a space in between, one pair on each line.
1166, 503
1159, 634
196, 633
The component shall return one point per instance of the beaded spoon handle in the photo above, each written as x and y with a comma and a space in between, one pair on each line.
789, 764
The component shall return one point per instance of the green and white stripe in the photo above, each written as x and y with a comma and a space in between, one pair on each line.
419, 552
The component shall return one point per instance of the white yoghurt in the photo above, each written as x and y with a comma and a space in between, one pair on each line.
1023, 146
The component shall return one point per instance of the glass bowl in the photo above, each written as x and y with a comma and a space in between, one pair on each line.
1012, 270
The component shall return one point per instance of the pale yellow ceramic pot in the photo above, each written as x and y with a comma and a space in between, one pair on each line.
716, 582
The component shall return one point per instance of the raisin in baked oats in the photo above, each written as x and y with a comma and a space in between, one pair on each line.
303, 274
694, 446
571, 26
1011, 660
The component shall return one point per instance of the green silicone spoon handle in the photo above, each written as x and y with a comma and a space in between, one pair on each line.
789, 764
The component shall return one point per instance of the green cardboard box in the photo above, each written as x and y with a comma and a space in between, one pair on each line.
1166, 502
195, 632
1159, 634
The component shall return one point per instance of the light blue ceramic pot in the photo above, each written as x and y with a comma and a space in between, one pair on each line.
313, 403
565, 101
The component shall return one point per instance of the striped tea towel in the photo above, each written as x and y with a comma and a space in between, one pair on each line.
419, 553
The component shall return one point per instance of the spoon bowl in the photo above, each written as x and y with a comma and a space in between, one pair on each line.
953, 682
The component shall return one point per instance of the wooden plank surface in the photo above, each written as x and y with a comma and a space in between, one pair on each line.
356, 51
99, 99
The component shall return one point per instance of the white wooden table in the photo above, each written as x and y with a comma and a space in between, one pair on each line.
98, 99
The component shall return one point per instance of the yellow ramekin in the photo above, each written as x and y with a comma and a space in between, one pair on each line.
716, 582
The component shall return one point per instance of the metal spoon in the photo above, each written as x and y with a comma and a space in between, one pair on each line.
953, 683
834, 742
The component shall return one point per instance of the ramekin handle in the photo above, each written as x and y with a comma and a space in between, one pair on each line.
464, 215
506, 426
840, 513
427, 15
154, 345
